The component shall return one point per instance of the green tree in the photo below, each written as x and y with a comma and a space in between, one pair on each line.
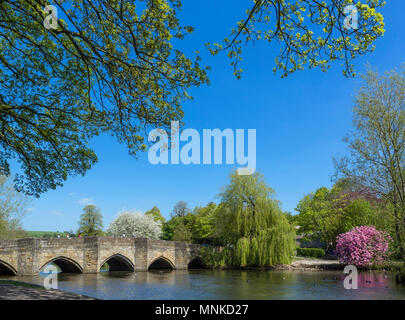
203, 224
169, 226
326, 213
109, 66
181, 221
180, 209
310, 33
179, 228
358, 212
196, 226
182, 232
319, 216
251, 224
156, 214
377, 144
91, 221
13, 206
291, 218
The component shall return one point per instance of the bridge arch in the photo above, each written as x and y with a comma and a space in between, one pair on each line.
118, 262
161, 263
66, 264
7, 269
196, 263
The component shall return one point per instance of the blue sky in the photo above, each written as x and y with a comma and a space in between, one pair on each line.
300, 122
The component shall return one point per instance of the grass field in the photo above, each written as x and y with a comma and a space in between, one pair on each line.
45, 234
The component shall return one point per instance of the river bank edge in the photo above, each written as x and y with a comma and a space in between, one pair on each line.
322, 264
19, 290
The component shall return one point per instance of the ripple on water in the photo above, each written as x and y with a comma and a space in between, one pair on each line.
228, 284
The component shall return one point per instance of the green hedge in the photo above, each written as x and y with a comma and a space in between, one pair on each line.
311, 252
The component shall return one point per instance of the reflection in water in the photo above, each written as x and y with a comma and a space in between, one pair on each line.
373, 280
230, 284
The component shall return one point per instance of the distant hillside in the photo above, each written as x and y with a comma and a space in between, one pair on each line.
45, 234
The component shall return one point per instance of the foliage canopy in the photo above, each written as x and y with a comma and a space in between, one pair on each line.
109, 66
112, 66
310, 33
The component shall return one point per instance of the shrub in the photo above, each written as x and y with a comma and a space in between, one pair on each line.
311, 252
363, 246
215, 258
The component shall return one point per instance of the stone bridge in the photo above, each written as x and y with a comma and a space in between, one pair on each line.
88, 255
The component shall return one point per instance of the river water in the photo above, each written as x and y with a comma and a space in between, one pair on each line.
229, 284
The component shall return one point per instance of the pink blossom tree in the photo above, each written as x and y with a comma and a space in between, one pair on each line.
363, 246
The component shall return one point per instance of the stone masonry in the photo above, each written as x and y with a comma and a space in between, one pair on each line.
87, 255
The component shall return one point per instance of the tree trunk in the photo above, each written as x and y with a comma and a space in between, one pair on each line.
398, 231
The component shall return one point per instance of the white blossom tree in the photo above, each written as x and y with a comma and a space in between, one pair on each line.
135, 224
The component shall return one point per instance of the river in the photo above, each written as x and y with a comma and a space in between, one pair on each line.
229, 284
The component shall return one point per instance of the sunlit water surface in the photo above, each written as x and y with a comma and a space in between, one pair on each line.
230, 284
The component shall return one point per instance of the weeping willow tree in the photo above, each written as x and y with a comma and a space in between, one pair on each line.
251, 226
